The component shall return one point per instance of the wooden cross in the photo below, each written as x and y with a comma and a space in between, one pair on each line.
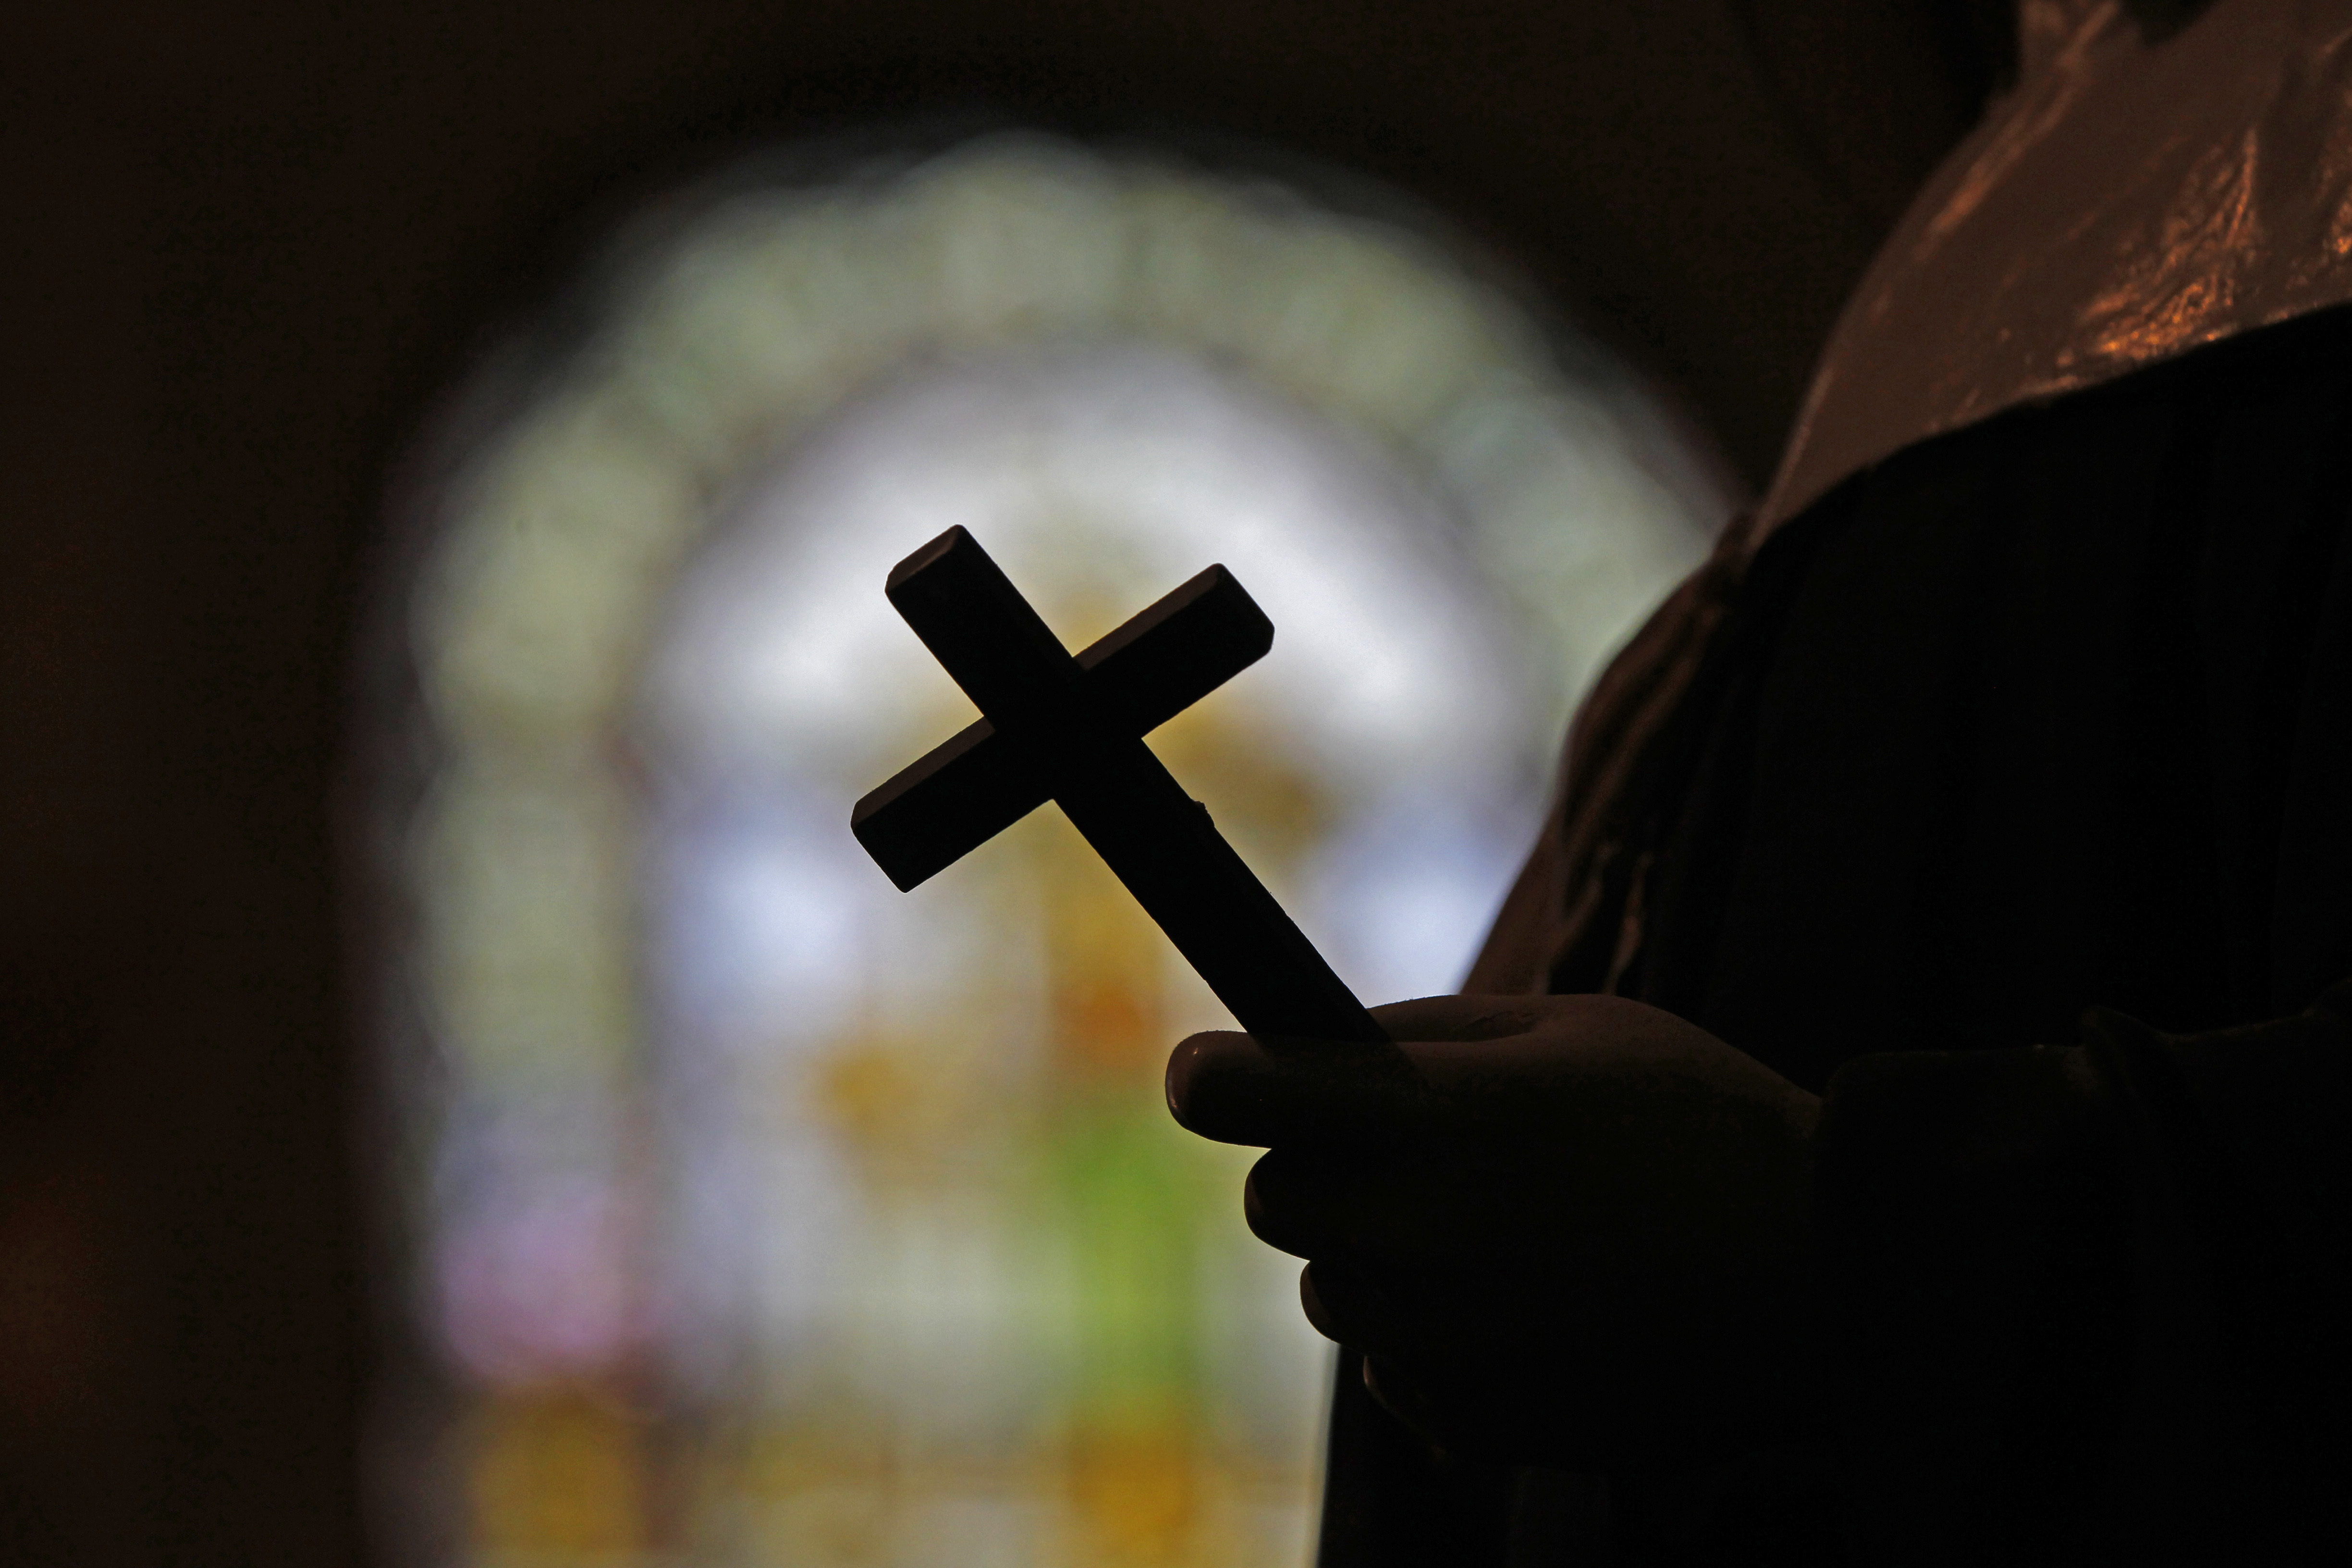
1071, 730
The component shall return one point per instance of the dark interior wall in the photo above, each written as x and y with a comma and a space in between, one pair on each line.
242, 245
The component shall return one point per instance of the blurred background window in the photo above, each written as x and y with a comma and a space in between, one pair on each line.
752, 1212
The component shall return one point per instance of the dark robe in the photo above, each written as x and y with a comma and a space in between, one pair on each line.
1995, 781
2004, 797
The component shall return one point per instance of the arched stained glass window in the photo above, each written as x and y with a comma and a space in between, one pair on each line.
755, 1212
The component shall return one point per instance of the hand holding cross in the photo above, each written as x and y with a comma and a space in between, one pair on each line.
1517, 1171
1071, 730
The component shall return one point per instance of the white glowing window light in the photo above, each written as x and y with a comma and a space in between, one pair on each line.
763, 1213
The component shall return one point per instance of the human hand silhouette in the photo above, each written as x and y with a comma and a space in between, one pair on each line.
1566, 1229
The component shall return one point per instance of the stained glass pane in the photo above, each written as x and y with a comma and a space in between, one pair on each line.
761, 1214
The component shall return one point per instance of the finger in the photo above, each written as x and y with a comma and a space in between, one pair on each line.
1416, 1392
1347, 1307
1298, 1203
1278, 1215
1232, 1088
1401, 1395
1311, 1203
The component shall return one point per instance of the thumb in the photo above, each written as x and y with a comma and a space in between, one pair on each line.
1463, 1018
1232, 1088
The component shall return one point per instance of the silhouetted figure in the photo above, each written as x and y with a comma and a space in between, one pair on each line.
1898, 1115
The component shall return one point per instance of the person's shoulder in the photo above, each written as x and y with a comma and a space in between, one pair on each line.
2120, 208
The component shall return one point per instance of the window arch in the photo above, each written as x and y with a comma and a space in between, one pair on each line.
756, 1212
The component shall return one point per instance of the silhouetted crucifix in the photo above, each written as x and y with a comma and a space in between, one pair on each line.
1071, 730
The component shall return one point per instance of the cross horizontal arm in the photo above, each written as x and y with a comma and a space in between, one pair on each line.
975, 785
